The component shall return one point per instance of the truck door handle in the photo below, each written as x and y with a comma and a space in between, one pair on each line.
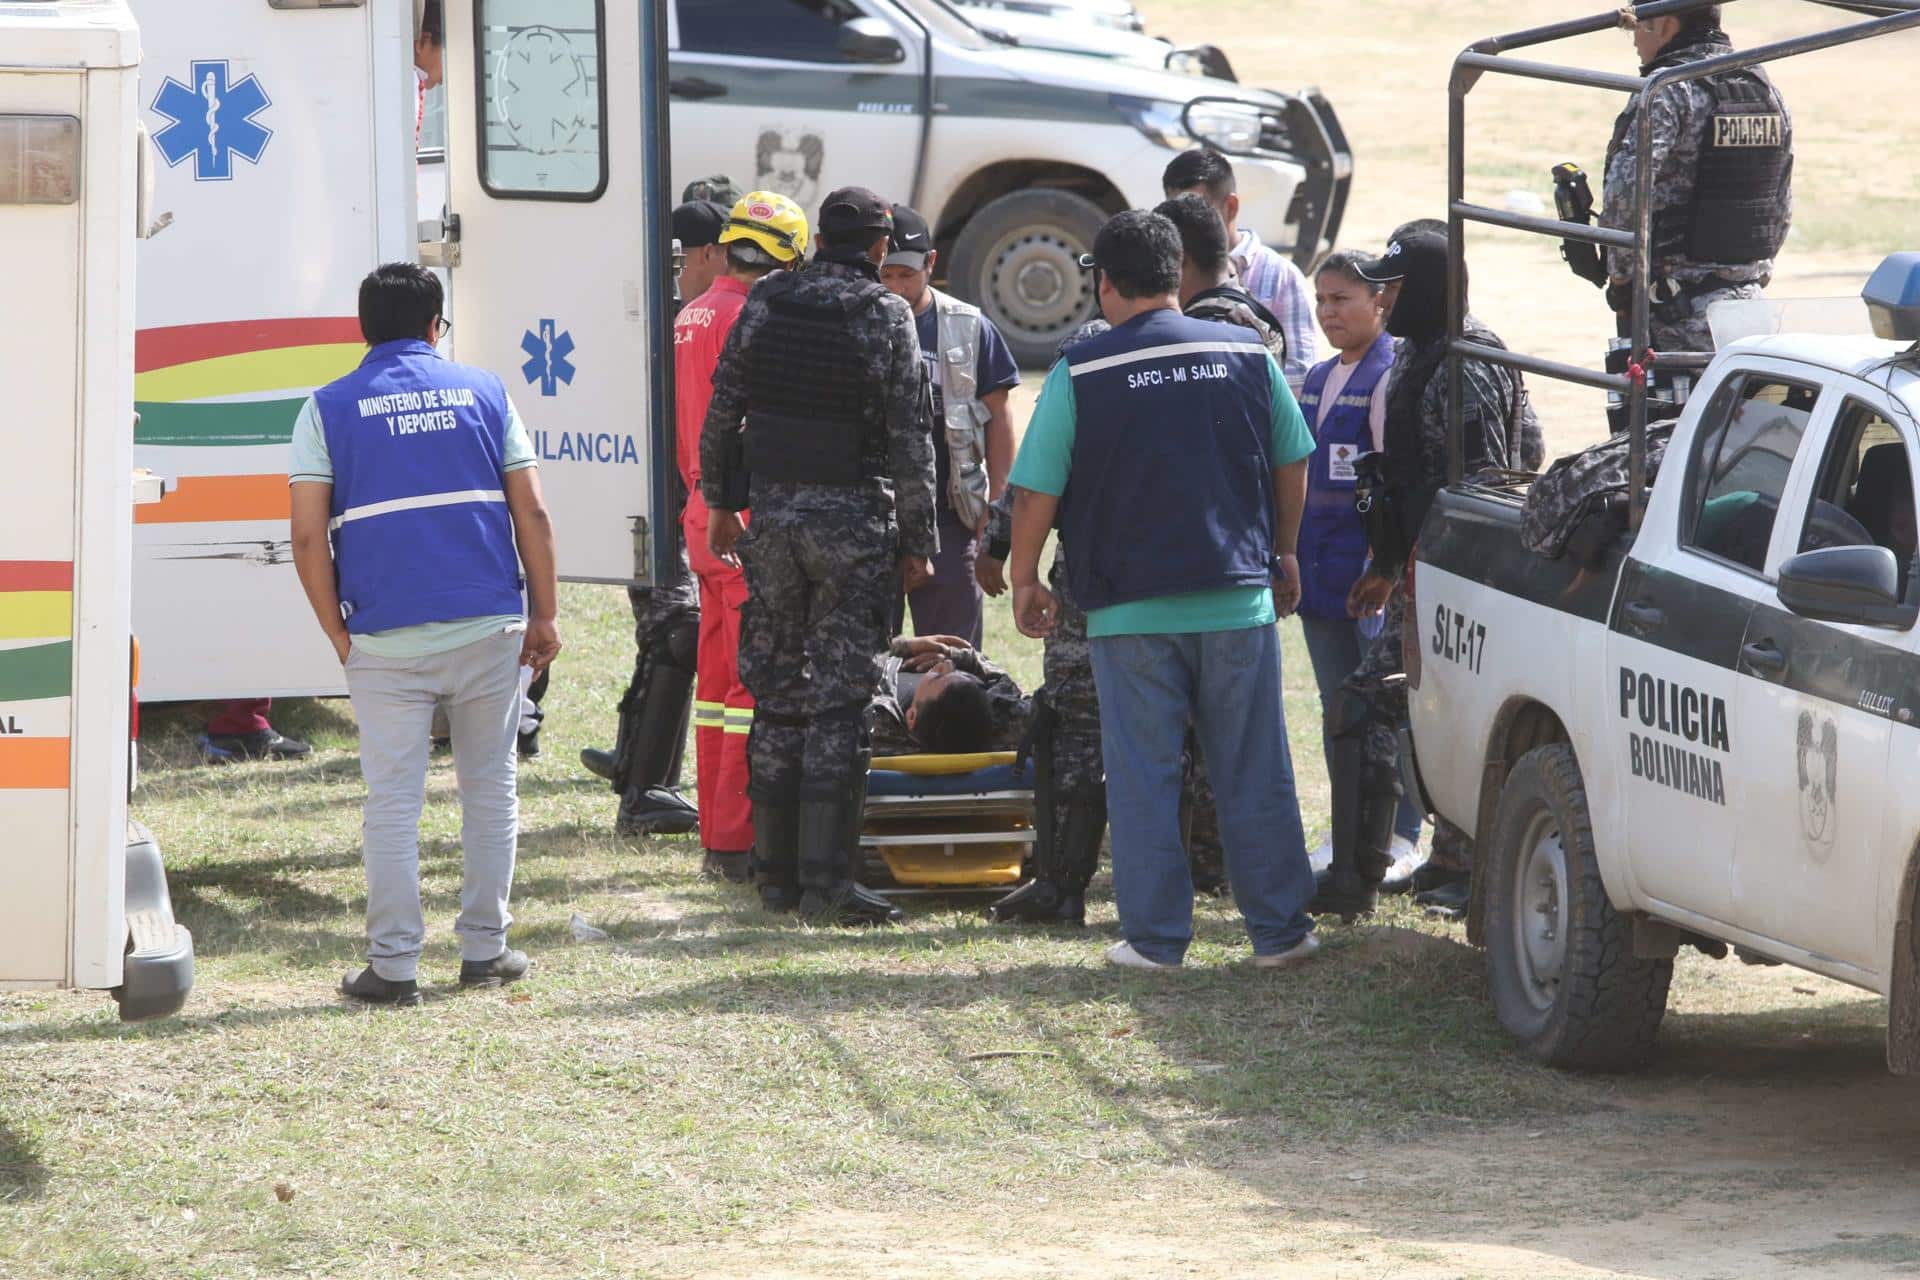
1764, 659
695, 88
1642, 616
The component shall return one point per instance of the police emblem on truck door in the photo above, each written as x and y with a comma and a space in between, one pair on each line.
1817, 757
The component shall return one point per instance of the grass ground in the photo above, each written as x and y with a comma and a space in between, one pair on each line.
710, 1092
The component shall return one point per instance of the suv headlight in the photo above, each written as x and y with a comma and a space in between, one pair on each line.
1159, 121
1233, 127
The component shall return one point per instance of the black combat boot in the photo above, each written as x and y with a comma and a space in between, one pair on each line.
776, 848
652, 744
830, 858
1066, 852
1362, 823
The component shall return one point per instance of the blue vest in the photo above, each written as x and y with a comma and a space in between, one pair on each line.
1333, 541
420, 526
1172, 478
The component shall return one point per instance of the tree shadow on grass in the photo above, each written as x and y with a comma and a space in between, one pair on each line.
22, 1174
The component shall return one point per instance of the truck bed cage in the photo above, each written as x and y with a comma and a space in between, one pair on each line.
1491, 55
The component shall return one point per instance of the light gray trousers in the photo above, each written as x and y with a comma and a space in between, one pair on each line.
393, 700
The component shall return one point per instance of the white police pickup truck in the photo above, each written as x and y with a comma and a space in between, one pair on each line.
1711, 738
1014, 155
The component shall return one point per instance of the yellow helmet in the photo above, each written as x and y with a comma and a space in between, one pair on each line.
770, 220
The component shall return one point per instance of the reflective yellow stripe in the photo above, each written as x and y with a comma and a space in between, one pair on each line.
739, 719
707, 713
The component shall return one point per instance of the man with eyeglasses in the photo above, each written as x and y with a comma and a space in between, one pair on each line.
416, 500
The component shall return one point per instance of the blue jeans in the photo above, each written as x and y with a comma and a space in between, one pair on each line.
1227, 685
1334, 646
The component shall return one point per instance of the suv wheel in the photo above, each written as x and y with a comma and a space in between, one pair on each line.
1018, 260
1565, 981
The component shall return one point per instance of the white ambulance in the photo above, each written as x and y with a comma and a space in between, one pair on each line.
85, 899
284, 134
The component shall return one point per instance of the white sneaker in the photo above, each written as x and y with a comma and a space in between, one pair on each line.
1322, 856
1301, 950
1408, 858
1123, 955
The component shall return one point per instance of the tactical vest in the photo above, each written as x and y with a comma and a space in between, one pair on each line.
964, 418
817, 414
1223, 300
1171, 477
1333, 541
1745, 149
420, 526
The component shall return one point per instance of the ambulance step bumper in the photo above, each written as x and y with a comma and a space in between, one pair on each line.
159, 963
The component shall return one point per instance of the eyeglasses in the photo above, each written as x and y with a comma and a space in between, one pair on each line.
446, 326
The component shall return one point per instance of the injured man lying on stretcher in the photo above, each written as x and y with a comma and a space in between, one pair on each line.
939, 694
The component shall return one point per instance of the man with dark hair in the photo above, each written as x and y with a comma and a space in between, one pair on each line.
1208, 289
1499, 430
1263, 272
1182, 458
1722, 185
939, 694
971, 370
416, 502
824, 369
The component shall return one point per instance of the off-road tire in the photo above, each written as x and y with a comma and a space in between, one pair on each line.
1603, 1010
1042, 231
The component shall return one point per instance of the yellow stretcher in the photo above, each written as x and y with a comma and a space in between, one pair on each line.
947, 822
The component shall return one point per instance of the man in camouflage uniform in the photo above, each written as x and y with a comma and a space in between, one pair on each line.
1364, 724
823, 367
1722, 182
939, 694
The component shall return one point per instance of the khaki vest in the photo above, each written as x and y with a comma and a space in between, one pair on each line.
964, 417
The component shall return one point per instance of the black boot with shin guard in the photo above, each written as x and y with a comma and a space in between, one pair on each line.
830, 856
1066, 840
653, 736
776, 847
1366, 796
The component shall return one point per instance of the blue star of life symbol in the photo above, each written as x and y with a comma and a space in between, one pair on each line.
212, 120
547, 353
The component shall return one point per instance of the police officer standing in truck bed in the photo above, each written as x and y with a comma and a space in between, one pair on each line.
1722, 181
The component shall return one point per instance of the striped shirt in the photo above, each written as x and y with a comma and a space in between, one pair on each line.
1282, 289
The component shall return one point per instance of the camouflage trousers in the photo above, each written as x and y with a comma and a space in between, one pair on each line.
1680, 323
820, 583
657, 608
1067, 664
1376, 680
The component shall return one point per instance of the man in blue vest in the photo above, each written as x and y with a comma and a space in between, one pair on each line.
416, 500
1182, 458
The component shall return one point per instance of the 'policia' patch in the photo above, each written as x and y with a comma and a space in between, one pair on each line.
1748, 131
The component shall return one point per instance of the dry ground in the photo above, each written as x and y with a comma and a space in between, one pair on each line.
710, 1093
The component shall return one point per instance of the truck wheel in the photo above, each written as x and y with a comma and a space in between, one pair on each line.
1564, 977
1018, 260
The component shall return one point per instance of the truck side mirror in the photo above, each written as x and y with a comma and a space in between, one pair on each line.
1856, 585
870, 40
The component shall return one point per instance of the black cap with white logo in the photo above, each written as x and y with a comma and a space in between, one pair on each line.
911, 241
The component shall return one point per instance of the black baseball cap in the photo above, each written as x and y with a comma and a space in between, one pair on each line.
911, 240
850, 209
698, 223
719, 188
1422, 254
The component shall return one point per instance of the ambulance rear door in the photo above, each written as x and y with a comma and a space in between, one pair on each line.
282, 147
560, 272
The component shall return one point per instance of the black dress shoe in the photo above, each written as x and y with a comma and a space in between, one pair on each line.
261, 744
598, 763
508, 966
734, 868
1040, 902
1448, 900
370, 987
